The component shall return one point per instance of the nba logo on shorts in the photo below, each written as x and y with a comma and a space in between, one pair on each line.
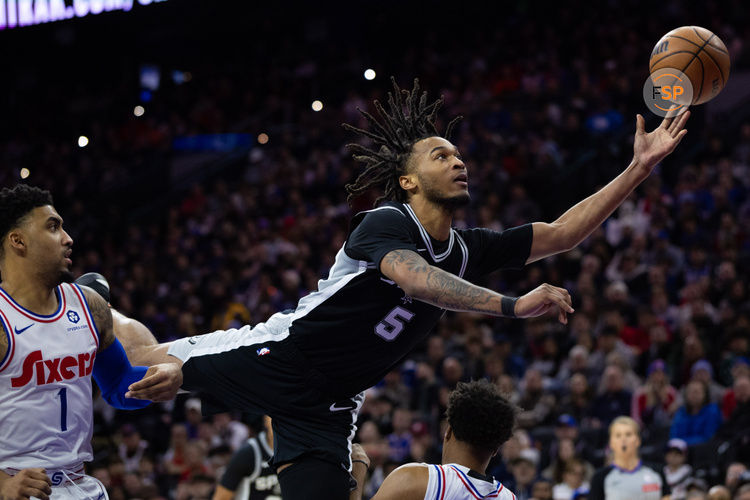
73, 316
263, 351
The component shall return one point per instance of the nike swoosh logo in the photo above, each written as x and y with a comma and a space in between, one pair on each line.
20, 331
421, 249
336, 408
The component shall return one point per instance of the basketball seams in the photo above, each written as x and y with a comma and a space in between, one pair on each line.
697, 33
696, 55
709, 38
718, 66
721, 73
668, 55
703, 76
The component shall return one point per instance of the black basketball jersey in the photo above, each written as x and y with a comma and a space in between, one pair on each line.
249, 474
359, 324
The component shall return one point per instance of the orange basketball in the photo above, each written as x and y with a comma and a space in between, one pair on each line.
699, 54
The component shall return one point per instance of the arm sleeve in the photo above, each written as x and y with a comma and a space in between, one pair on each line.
493, 250
113, 374
597, 484
381, 231
241, 465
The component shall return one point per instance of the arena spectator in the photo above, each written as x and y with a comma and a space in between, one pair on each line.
655, 402
524, 469
698, 420
536, 403
614, 401
573, 480
703, 371
677, 471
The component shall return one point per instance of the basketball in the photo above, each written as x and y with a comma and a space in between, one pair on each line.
699, 54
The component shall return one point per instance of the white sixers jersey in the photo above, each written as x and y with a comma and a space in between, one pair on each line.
453, 482
46, 412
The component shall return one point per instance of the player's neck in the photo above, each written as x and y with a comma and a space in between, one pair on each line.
462, 455
436, 220
29, 292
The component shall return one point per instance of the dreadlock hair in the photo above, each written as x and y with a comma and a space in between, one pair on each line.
480, 416
393, 137
16, 203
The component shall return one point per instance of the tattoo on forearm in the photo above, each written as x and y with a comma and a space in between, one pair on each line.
444, 289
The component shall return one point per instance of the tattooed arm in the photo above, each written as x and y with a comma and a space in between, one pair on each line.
3, 341
102, 316
440, 288
418, 279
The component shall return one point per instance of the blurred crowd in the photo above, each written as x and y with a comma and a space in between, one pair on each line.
661, 330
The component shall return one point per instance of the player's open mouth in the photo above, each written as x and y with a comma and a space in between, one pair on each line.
462, 180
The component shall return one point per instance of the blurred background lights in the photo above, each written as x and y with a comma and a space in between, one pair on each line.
138, 110
317, 105
263, 138
83, 141
369, 74
25, 173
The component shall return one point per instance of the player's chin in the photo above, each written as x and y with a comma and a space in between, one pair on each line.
66, 275
461, 199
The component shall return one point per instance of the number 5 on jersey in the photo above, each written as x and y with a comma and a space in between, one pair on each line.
393, 323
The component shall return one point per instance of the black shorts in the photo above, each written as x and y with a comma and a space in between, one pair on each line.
248, 372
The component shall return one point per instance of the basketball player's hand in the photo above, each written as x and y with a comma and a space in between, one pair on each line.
542, 299
27, 483
358, 453
160, 383
650, 148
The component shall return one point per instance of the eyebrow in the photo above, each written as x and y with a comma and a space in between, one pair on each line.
443, 147
55, 219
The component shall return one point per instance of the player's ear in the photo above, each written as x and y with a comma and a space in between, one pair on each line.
448, 434
16, 240
408, 182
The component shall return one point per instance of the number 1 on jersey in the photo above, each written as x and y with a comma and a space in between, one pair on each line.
63, 408
393, 323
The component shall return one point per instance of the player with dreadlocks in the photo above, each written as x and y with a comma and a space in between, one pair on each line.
400, 269
395, 138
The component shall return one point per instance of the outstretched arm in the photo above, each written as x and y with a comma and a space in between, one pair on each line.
113, 371
577, 223
133, 335
418, 279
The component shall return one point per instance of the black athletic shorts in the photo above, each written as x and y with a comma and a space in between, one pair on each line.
256, 370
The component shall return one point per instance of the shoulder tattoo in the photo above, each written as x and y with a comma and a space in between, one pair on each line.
102, 317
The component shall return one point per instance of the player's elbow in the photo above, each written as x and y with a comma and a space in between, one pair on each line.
410, 287
563, 237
